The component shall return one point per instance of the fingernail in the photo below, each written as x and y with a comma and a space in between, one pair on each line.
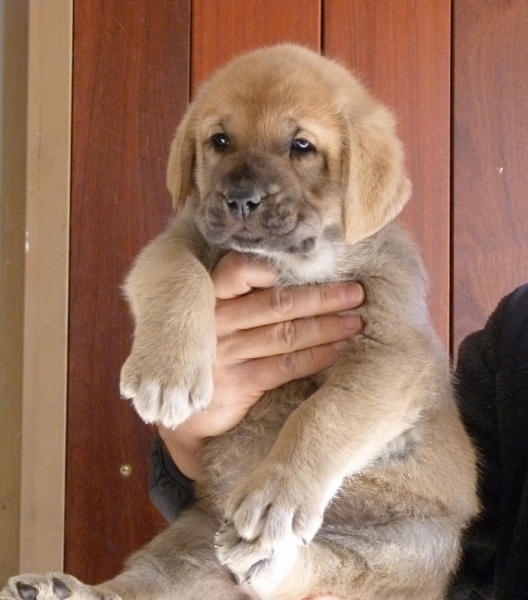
354, 293
351, 322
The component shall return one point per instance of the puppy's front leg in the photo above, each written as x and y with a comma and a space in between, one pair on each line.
168, 374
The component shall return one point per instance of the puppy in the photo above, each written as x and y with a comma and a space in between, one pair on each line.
358, 485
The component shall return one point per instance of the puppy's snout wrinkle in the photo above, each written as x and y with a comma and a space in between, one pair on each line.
243, 202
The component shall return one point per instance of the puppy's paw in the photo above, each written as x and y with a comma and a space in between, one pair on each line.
53, 586
269, 515
168, 380
254, 563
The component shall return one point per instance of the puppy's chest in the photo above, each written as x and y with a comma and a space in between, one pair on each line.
332, 262
325, 266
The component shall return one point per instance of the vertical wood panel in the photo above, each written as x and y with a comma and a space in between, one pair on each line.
221, 29
13, 113
491, 157
130, 89
46, 285
402, 51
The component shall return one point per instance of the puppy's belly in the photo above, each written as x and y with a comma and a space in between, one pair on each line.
232, 456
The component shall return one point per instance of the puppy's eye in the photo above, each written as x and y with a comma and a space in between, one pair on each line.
301, 146
220, 141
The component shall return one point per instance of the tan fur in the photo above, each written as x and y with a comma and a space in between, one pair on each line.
359, 484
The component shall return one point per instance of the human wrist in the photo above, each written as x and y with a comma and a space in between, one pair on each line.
185, 448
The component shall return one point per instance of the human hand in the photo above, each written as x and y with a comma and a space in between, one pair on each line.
265, 338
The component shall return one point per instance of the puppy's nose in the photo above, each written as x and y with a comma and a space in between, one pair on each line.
243, 202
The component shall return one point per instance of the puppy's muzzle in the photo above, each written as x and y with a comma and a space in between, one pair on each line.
243, 202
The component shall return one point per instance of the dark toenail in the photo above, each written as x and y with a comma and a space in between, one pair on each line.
60, 589
26, 591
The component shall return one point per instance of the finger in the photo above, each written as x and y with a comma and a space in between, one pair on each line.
276, 305
325, 597
265, 374
288, 336
237, 274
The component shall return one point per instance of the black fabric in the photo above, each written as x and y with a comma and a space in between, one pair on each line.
170, 490
492, 385
513, 349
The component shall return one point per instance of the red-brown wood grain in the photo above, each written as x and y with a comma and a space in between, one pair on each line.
131, 84
221, 29
490, 187
402, 51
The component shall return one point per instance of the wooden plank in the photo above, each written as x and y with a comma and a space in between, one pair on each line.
46, 286
402, 51
14, 64
490, 150
221, 29
131, 85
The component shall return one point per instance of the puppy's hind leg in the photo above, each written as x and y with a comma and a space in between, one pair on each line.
406, 560
373, 568
318, 570
179, 563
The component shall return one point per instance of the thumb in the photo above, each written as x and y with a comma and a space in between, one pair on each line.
237, 274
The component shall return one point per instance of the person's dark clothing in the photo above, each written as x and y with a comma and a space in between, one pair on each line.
492, 386
170, 490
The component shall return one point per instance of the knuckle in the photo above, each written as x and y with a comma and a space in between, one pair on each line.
314, 359
327, 294
288, 363
323, 326
285, 334
281, 300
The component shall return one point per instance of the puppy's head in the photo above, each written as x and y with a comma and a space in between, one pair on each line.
283, 146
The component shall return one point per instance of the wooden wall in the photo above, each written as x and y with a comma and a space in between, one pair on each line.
131, 85
490, 158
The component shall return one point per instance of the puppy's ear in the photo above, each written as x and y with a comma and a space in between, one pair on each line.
375, 184
181, 162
